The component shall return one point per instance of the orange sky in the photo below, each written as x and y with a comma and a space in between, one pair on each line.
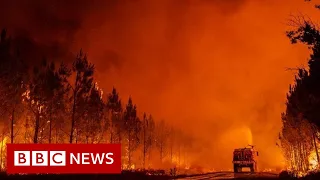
214, 67
217, 69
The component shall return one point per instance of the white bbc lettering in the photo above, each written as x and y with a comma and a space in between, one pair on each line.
21, 158
109, 158
85, 156
97, 158
74, 158
57, 158
39, 158
91, 158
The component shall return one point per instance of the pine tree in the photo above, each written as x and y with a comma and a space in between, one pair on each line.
45, 96
94, 115
302, 116
114, 110
80, 90
147, 136
13, 78
132, 128
162, 132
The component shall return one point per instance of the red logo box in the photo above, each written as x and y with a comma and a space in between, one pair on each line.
64, 158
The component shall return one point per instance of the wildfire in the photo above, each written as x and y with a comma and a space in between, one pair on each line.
267, 170
26, 94
99, 89
127, 167
313, 162
3, 149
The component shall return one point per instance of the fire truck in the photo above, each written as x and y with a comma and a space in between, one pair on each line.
245, 157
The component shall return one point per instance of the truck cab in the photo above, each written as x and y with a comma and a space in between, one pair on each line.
245, 157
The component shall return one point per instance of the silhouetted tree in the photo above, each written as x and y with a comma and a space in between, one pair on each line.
13, 77
94, 115
147, 133
114, 110
81, 87
132, 129
49, 96
45, 96
35, 97
55, 94
162, 132
302, 116
172, 141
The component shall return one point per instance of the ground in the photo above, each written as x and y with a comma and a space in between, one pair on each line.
141, 176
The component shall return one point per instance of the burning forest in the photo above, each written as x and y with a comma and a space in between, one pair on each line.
300, 134
179, 84
54, 103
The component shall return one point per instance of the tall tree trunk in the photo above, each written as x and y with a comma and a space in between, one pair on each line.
50, 126
12, 125
73, 118
56, 134
26, 132
36, 128
1, 160
111, 126
119, 135
40, 137
144, 146
111, 134
77, 136
315, 146
129, 150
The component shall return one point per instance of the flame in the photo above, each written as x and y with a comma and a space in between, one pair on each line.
3, 148
127, 167
313, 162
26, 95
99, 89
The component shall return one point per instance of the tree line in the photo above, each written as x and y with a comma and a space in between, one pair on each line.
61, 103
301, 121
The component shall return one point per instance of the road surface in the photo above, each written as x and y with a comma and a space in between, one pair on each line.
230, 175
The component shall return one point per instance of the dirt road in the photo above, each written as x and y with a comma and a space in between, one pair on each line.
230, 175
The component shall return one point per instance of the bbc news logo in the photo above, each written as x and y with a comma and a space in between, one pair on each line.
58, 158
64, 158
39, 158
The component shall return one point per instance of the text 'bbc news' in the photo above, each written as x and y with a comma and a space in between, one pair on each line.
64, 158
59, 158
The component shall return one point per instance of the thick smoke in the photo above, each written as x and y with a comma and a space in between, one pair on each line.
214, 67
47, 28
